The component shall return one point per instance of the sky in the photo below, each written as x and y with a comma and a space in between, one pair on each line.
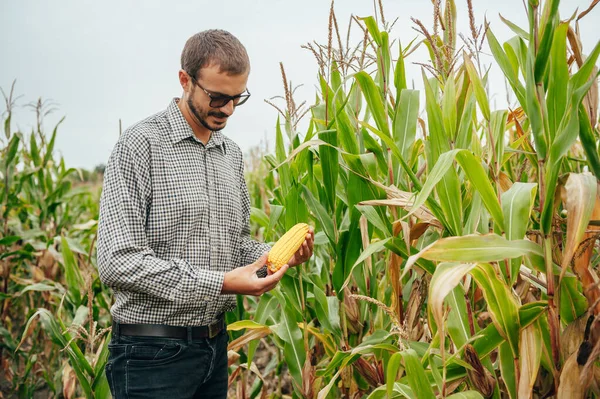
99, 62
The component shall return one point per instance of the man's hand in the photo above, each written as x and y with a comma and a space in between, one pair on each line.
244, 280
305, 251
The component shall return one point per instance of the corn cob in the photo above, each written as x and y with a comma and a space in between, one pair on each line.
286, 246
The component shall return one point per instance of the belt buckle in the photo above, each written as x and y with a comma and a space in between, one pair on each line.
214, 329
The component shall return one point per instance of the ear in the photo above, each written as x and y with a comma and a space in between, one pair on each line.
184, 80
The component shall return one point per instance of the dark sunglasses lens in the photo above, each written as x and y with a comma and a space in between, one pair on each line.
218, 102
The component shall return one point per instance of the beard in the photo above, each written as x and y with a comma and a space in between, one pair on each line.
202, 116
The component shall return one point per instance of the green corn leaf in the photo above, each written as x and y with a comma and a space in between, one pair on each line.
98, 383
507, 369
476, 248
503, 61
449, 194
245, 324
477, 176
491, 338
53, 327
465, 395
465, 128
50, 146
449, 109
391, 373
515, 28
72, 272
374, 101
517, 204
320, 214
478, 89
259, 217
322, 310
398, 246
284, 170
557, 85
9, 240
588, 142
543, 51
458, 321
561, 145
375, 218
400, 72
384, 61
572, 302
346, 131
502, 306
11, 151
373, 248
582, 76
446, 278
497, 129
330, 162
293, 348
266, 308
373, 29
437, 134
415, 374
405, 120
33, 150
534, 110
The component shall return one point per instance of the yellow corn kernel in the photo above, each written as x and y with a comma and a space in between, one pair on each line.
286, 246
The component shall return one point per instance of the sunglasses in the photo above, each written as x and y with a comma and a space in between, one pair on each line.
221, 100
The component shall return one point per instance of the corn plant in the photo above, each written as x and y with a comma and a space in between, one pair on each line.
54, 310
456, 249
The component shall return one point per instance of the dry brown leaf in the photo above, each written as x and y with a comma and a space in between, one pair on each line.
251, 335
578, 195
416, 299
232, 357
418, 230
530, 353
69, 381
479, 376
504, 181
582, 259
572, 337
570, 386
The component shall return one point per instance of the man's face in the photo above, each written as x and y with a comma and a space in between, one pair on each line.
216, 83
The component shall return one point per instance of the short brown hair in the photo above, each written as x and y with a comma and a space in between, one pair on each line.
214, 46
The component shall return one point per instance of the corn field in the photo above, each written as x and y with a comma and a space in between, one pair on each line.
456, 246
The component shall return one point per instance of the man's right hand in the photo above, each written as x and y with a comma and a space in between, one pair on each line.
245, 281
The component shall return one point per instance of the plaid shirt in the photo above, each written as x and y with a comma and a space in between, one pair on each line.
174, 217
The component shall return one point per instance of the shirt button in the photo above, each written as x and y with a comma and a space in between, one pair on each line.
206, 298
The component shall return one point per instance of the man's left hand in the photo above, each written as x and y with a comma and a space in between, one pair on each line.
305, 251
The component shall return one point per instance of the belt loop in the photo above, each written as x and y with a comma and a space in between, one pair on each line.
189, 335
115, 330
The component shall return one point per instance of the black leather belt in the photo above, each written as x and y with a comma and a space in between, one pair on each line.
158, 330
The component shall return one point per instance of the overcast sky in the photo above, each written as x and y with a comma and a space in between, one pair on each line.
101, 61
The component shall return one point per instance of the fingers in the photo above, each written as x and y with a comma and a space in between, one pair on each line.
260, 262
271, 281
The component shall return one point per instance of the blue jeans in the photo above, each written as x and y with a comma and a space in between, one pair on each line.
150, 367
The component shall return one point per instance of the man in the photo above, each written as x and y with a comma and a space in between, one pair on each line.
174, 240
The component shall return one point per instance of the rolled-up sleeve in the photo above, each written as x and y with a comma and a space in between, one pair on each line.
125, 260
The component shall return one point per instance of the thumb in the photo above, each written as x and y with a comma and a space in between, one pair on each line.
260, 262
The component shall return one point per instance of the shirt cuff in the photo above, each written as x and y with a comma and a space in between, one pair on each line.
206, 285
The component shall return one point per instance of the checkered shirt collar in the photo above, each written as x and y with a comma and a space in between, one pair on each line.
181, 130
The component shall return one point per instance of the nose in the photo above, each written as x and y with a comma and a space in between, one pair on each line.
227, 108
